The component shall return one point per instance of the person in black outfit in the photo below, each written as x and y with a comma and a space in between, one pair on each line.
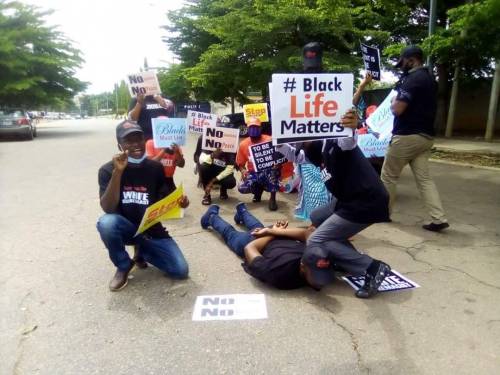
144, 108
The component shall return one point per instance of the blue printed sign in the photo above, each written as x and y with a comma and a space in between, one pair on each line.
169, 130
371, 146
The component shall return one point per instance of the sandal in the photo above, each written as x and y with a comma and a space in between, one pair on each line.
207, 200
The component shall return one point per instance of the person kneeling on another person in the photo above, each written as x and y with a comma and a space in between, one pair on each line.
215, 168
128, 185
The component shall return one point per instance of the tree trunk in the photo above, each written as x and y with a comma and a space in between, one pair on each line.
442, 97
232, 105
492, 111
453, 102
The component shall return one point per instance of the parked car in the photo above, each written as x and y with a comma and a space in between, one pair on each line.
237, 121
17, 122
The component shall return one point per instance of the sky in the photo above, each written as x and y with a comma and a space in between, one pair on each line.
114, 36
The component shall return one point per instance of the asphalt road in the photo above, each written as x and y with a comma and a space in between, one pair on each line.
58, 317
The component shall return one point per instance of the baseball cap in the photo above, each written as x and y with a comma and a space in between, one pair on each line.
253, 121
313, 54
127, 127
410, 51
321, 269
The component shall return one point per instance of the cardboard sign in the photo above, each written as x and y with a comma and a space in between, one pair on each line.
381, 120
394, 281
165, 209
215, 137
373, 147
230, 307
306, 107
195, 121
258, 110
143, 83
168, 130
371, 58
264, 156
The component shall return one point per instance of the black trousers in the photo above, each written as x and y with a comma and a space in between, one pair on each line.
210, 171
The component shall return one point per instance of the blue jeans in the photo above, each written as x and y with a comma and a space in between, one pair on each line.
116, 232
233, 238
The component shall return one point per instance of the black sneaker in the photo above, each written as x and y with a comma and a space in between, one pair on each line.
436, 227
373, 281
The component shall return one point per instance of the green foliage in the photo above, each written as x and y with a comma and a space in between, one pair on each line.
174, 84
37, 62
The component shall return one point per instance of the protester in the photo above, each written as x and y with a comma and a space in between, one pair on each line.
357, 99
414, 110
143, 109
215, 168
252, 181
276, 255
127, 186
169, 157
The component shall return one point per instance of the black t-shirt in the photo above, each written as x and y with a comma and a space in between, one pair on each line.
225, 158
151, 109
140, 187
279, 264
417, 89
361, 196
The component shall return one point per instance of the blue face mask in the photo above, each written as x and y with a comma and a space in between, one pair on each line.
136, 161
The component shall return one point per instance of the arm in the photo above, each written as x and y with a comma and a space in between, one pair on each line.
135, 111
255, 248
299, 234
110, 199
398, 106
179, 158
365, 82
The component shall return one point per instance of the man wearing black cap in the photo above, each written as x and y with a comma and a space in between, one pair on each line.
414, 110
127, 186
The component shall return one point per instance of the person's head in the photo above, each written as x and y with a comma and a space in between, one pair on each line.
411, 57
316, 267
130, 138
254, 128
312, 54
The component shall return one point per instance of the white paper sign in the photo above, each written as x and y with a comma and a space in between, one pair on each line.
167, 131
215, 137
143, 83
197, 120
309, 106
393, 281
230, 307
382, 120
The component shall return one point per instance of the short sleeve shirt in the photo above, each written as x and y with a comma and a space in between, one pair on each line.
151, 109
279, 264
417, 89
168, 160
140, 187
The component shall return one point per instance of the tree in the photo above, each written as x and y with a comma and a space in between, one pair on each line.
174, 84
37, 61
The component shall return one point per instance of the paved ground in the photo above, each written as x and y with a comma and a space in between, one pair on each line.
58, 317
467, 145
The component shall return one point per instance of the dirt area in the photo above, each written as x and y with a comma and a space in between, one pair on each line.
492, 160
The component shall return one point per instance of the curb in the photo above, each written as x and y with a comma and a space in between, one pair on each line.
457, 163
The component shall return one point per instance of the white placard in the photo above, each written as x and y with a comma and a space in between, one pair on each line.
143, 83
393, 281
195, 121
382, 120
310, 106
215, 137
230, 307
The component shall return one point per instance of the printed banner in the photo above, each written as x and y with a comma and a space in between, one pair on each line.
264, 156
371, 146
168, 130
258, 110
215, 137
381, 121
394, 281
371, 58
143, 83
165, 209
307, 107
197, 120
230, 307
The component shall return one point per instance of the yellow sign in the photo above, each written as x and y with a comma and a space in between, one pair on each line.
258, 110
167, 208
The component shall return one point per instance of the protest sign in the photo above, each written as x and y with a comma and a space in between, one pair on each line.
143, 83
258, 110
371, 146
195, 121
165, 209
381, 121
393, 281
264, 156
309, 106
371, 58
230, 307
215, 137
168, 130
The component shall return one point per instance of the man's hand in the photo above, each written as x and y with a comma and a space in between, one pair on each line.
367, 80
183, 201
120, 161
140, 99
350, 119
261, 232
209, 186
280, 224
